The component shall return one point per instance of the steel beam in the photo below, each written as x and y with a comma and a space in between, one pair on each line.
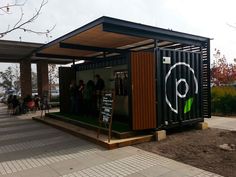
91, 48
152, 34
56, 56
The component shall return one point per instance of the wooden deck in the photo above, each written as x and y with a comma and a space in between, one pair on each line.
91, 135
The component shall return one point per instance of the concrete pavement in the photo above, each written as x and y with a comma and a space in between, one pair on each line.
32, 149
222, 123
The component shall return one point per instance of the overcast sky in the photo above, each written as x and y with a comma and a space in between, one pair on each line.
208, 18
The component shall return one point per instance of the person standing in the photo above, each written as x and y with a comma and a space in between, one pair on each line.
72, 90
99, 86
89, 98
80, 96
15, 105
9, 104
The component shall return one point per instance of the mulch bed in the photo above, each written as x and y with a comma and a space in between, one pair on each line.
199, 148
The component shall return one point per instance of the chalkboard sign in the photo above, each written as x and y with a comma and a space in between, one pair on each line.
106, 112
107, 107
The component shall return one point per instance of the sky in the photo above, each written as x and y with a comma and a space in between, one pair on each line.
208, 18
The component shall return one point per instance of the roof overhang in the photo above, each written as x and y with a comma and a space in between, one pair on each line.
15, 51
108, 36
103, 37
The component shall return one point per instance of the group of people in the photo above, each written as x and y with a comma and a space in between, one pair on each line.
85, 99
18, 106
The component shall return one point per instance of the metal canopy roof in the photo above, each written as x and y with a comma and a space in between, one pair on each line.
108, 36
15, 51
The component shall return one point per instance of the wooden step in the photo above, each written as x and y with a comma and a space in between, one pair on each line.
91, 135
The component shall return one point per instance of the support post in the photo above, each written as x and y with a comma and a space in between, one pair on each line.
42, 77
202, 125
25, 78
160, 135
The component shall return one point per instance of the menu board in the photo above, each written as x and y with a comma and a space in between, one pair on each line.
106, 112
106, 107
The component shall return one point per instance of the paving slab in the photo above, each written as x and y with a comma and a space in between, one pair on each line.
31, 149
225, 123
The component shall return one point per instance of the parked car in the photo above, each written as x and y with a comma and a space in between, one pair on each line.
34, 92
54, 93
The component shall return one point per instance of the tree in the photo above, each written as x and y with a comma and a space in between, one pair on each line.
52, 76
21, 23
16, 74
10, 79
34, 80
222, 73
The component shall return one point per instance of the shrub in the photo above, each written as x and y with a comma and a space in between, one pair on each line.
223, 100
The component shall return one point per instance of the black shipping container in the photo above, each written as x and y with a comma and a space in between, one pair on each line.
167, 72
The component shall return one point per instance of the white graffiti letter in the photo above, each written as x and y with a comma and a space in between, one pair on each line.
178, 94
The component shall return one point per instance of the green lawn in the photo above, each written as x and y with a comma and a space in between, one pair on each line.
117, 126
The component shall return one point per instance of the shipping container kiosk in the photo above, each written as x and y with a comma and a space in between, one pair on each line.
161, 77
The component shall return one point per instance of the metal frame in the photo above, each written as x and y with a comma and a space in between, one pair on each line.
101, 63
207, 88
91, 48
55, 56
141, 30
209, 77
133, 29
158, 87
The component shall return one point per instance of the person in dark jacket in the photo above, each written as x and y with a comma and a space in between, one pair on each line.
15, 105
72, 91
89, 98
9, 104
79, 98
100, 85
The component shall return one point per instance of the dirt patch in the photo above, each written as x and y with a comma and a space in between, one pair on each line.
199, 148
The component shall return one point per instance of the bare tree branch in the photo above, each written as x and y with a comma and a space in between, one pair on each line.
232, 26
6, 8
20, 24
21, 18
38, 32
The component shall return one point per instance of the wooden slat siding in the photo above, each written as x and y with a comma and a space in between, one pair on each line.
66, 74
143, 90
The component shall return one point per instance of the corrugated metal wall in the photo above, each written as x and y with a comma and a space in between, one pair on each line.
179, 88
143, 90
206, 83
